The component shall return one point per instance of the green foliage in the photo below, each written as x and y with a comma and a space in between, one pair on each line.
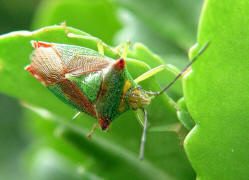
183, 114
168, 19
97, 17
107, 149
216, 93
101, 19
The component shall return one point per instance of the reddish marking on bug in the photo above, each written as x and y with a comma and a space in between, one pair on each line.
40, 44
120, 64
104, 124
29, 68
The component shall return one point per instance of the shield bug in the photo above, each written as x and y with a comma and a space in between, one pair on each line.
93, 83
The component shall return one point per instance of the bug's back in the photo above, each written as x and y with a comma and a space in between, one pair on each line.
83, 78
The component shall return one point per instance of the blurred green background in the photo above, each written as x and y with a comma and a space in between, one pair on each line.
167, 27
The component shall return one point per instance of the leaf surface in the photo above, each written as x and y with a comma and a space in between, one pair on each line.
216, 93
121, 144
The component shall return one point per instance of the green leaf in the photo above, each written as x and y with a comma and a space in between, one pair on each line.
172, 20
11, 137
71, 150
57, 160
216, 93
183, 114
168, 27
47, 163
159, 162
14, 15
97, 17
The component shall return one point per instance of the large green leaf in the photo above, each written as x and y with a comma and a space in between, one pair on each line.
122, 143
216, 93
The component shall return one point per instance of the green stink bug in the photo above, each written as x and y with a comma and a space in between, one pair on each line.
93, 83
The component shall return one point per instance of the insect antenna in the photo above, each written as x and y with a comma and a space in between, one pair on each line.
143, 139
181, 73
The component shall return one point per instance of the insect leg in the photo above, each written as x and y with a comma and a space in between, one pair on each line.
100, 47
124, 48
92, 130
143, 139
64, 25
153, 72
100, 44
78, 36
